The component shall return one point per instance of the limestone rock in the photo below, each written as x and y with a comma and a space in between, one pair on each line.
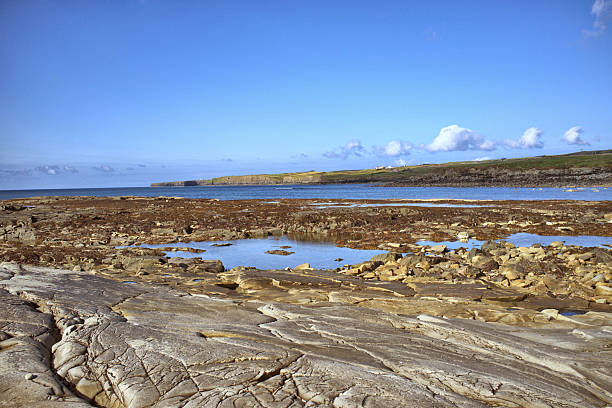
303, 266
329, 344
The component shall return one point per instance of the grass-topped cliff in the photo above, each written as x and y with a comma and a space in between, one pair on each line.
581, 168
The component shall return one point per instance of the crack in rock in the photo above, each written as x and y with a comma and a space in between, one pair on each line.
108, 344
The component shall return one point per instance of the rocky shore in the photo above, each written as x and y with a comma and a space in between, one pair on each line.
84, 323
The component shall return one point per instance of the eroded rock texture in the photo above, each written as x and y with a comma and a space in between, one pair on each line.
76, 339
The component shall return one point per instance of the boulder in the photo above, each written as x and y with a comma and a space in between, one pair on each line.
389, 256
302, 267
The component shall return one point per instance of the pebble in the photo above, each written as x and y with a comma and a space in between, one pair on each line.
30, 376
463, 236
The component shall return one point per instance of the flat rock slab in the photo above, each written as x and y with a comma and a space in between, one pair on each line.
471, 291
74, 339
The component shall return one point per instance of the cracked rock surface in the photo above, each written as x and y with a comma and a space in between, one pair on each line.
72, 338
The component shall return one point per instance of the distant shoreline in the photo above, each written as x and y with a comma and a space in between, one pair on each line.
584, 169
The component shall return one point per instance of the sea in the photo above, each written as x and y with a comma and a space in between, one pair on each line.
329, 191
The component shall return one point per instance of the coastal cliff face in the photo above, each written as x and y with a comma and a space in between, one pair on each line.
258, 179
582, 168
452, 177
267, 179
185, 183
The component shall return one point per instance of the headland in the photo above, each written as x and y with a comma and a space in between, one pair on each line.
593, 168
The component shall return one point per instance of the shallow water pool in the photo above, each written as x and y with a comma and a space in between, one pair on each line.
252, 252
424, 204
522, 239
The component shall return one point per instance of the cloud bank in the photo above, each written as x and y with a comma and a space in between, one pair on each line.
454, 138
602, 10
572, 136
352, 148
55, 170
104, 168
529, 140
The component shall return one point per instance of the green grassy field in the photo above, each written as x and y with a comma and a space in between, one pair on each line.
600, 160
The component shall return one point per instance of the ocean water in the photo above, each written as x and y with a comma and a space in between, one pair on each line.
329, 191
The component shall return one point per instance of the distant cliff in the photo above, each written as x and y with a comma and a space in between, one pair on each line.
581, 168
256, 179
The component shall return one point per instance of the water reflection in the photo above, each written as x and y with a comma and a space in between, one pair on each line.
424, 204
523, 239
318, 253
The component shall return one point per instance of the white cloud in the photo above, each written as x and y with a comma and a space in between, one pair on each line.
482, 158
50, 170
104, 168
400, 162
54, 170
572, 136
452, 138
602, 10
529, 140
352, 148
394, 148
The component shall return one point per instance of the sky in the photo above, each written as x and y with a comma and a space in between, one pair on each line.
110, 93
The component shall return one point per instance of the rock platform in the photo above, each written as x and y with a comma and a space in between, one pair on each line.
75, 339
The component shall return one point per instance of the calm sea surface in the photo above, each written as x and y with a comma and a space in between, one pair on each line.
329, 191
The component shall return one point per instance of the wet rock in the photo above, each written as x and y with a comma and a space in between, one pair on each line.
512, 271
368, 266
389, 256
438, 248
550, 313
182, 262
463, 236
485, 263
279, 252
489, 246
136, 263
603, 256
211, 265
303, 266
604, 290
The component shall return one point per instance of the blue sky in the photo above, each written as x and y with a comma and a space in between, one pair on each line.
125, 93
